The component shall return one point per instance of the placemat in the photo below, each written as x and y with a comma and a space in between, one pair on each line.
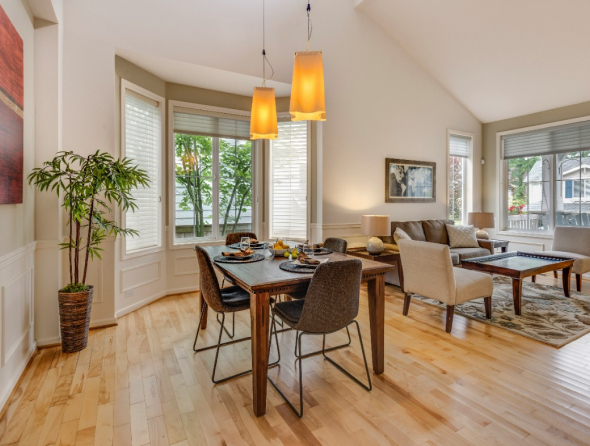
255, 258
288, 266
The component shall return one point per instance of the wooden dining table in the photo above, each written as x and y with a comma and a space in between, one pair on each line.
264, 279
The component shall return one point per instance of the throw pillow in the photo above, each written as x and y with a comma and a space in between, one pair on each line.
400, 235
462, 236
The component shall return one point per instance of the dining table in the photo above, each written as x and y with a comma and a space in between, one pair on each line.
264, 279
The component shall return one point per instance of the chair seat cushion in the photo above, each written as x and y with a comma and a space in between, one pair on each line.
234, 296
581, 264
470, 253
471, 285
289, 311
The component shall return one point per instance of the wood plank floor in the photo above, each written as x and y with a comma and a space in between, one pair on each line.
141, 384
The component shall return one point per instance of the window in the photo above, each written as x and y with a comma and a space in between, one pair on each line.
547, 178
142, 140
288, 182
459, 153
212, 175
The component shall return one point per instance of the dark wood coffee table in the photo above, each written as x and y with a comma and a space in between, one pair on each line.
387, 256
519, 265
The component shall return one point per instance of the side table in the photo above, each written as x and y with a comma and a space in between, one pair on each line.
502, 244
387, 256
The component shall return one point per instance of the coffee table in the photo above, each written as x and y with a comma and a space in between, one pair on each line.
519, 265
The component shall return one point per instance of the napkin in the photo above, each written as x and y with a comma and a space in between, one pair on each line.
318, 245
254, 241
304, 258
237, 253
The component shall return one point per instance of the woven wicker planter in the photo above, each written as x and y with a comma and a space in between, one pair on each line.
74, 319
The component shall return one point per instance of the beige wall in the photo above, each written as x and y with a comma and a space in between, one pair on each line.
17, 220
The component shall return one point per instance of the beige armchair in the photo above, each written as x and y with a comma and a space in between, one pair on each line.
428, 271
573, 242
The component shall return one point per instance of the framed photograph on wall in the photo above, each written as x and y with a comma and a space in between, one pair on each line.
409, 181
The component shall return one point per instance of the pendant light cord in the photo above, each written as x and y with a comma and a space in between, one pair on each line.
264, 58
309, 24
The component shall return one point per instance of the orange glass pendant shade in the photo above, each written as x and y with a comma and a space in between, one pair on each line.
263, 119
308, 101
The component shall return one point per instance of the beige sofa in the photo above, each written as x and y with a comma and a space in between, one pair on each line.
433, 231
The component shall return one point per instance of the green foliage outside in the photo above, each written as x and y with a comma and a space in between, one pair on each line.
88, 187
194, 173
456, 189
518, 174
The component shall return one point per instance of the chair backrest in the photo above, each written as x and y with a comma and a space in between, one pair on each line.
428, 270
236, 237
336, 244
332, 300
572, 239
209, 284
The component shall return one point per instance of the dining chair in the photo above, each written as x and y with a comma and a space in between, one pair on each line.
221, 300
230, 239
331, 304
429, 272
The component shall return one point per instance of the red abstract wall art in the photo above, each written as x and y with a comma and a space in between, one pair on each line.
11, 112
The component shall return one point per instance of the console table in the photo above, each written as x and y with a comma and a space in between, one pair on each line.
387, 256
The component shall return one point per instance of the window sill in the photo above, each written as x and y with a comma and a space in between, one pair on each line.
191, 245
548, 236
142, 253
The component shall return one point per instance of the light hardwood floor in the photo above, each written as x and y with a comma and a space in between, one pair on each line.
141, 384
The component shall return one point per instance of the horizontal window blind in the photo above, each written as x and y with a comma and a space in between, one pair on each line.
143, 144
213, 124
459, 146
288, 181
560, 139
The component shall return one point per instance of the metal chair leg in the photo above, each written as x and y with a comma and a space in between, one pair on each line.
346, 372
328, 349
233, 325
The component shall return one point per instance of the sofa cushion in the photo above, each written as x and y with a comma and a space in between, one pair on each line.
581, 264
412, 228
462, 236
470, 253
436, 231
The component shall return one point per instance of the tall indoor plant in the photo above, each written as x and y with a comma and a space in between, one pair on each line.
88, 187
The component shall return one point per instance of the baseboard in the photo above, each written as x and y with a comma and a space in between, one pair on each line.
191, 289
49, 342
137, 305
102, 323
16, 378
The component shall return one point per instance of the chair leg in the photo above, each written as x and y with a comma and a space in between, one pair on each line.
488, 304
233, 325
579, 282
203, 311
450, 314
555, 274
317, 352
407, 300
346, 372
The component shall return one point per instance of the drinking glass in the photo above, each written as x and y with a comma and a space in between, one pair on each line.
244, 243
269, 251
308, 250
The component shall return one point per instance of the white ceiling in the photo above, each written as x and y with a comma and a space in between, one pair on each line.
200, 76
500, 58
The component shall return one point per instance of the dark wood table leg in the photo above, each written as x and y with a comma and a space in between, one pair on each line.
504, 248
567, 276
534, 279
259, 324
201, 303
376, 289
579, 282
517, 294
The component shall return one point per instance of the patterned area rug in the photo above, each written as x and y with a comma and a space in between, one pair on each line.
547, 315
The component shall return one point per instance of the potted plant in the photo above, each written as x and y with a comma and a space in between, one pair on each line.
88, 187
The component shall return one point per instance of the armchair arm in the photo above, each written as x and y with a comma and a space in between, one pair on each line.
486, 244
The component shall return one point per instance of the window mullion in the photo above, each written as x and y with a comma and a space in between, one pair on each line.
215, 201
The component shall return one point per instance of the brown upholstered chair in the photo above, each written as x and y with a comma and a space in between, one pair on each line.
336, 244
331, 304
221, 300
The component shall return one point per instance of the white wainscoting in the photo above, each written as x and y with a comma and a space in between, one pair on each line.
17, 340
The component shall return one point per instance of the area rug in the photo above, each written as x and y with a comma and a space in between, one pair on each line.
547, 315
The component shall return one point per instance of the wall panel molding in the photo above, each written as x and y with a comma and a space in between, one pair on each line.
138, 279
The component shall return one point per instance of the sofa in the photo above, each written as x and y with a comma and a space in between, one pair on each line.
433, 231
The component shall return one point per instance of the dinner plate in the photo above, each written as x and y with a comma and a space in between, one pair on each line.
236, 258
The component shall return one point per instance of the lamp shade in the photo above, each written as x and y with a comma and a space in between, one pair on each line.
481, 219
263, 119
375, 225
308, 101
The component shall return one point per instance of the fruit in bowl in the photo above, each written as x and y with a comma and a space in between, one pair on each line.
281, 248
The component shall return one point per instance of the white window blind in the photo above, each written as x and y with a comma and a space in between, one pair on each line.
548, 141
288, 182
459, 146
143, 144
206, 123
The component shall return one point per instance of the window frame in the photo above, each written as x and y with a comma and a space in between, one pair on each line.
256, 172
467, 175
268, 185
127, 85
502, 187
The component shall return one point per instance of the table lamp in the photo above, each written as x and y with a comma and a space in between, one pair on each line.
375, 225
481, 220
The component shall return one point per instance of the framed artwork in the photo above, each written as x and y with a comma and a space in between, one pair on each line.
410, 181
11, 112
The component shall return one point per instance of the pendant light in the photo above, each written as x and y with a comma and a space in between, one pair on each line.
308, 101
263, 118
